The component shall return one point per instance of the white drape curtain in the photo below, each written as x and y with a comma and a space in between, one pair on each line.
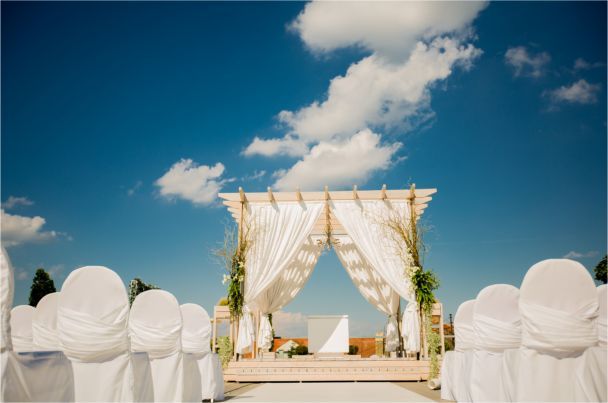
278, 231
371, 285
410, 327
286, 287
365, 221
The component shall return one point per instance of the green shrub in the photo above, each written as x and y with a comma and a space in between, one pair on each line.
224, 350
353, 350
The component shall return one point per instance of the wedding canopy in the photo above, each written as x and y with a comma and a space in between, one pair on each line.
287, 231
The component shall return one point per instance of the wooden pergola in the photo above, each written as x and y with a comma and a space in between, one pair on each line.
417, 198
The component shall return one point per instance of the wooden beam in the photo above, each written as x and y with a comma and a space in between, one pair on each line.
383, 192
355, 195
399, 194
299, 195
326, 190
242, 197
270, 195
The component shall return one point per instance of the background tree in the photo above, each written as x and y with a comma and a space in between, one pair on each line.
41, 285
137, 286
600, 270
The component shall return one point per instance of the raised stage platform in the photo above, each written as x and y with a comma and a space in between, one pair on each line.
326, 369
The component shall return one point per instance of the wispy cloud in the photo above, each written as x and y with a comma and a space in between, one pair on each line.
412, 46
256, 175
525, 63
190, 181
132, 190
18, 229
21, 275
579, 92
13, 202
580, 255
582, 64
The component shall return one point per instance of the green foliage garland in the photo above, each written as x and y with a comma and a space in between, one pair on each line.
233, 256
224, 350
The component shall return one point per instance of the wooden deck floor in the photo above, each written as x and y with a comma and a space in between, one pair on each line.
315, 370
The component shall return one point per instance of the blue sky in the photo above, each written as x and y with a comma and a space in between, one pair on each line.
102, 100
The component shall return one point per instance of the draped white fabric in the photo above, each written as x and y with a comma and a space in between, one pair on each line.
44, 324
559, 306
455, 368
6, 300
371, 285
246, 334
496, 327
591, 368
278, 231
155, 324
410, 328
196, 336
155, 327
364, 221
285, 288
92, 318
21, 328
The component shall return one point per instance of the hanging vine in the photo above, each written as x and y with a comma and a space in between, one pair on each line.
407, 234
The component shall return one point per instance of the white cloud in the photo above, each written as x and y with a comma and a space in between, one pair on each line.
350, 161
578, 255
413, 46
525, 63
131, 191
21, 274
582, 64
189, 181
389, 29
13, 201
17, 229
380, 94
269, 147
580, 92
290, 324
256, 175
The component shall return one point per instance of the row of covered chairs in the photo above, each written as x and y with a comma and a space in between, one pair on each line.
85, 344
543, 342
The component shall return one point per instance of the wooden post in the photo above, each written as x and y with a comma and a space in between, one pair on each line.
214, 331
239, 241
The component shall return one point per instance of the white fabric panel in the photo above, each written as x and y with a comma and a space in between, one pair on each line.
14, 387
6, 299
21, 328
92, 318
285, 288
212, 376
196, 337
155, 327
44, 324
246, 334
496, 327
48, 376
279, 231
371, 285
455, 370
558, 306
363, 220
591, 372
410, 327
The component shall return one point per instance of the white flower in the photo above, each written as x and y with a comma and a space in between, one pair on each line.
225, 279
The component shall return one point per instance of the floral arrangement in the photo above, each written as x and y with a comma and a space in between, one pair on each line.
233, 255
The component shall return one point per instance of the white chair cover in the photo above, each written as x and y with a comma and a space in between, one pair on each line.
558, 306
44, 324
92, 314
278, 231
12, 385
196, 339
496, 327
371, 285
591, 371
155, 327
455, 368
6, 300
21, 328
